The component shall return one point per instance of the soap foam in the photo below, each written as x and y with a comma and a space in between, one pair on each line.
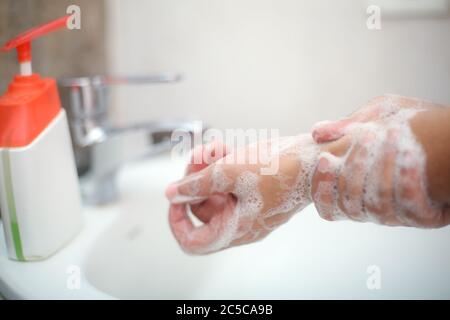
298, 195
391, 132
220, 182
248, 219
248, 206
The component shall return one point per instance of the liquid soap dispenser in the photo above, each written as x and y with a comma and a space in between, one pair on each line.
39, 192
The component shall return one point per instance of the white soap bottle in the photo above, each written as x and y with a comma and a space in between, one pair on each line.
39, 191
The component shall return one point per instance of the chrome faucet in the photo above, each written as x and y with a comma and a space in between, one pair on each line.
100, 147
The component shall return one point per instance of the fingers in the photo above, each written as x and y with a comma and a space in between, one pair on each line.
379, 107
206, 238
376, 109
202, 156
338, 184
205, 210
352, 178
198, 190
197, 185
384, 181
193, 188
339, 147
191, 238
326, 131
324, 180
379, 196
323, 186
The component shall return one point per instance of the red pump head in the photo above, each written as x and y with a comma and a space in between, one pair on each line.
30, 102
22, 42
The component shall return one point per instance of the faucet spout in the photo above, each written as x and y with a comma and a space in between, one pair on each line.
124, 145
101, 148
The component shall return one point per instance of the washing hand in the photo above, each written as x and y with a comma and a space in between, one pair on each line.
240, 202
387, 163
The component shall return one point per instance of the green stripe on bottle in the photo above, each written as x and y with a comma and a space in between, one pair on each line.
12, 205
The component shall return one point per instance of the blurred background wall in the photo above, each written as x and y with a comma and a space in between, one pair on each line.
247, 63
64, 53
272, 63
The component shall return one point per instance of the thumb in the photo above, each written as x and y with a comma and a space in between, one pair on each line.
326, 131
195, 187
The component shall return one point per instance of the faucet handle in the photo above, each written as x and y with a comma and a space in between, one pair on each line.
164, 77
108, 80
87, 100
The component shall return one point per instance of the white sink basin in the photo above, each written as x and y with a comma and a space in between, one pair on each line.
127, 251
